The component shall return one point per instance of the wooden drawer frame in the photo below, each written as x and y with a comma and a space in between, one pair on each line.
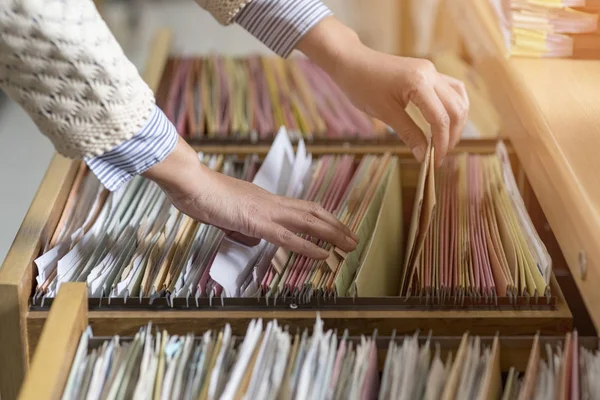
21, 328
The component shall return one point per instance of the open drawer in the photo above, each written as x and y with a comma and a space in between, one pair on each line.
515, 357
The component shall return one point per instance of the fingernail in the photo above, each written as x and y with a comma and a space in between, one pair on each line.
351, 242
419, 153
354, 236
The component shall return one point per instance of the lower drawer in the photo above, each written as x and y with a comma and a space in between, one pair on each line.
519, 355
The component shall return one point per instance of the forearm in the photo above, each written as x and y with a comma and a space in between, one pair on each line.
180, 172
331, 45
338, 51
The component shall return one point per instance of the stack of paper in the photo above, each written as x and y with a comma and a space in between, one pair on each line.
471, 236
547, 28
134, 243
269, 362
220, 97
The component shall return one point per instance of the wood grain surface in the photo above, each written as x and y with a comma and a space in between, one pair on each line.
57, 345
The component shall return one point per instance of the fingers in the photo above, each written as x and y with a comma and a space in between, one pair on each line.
319, 212
432, 108
295, 216
303, 222
458, 86
410, 134
456, 109
247, 213
283, 237
301, 217
444, 103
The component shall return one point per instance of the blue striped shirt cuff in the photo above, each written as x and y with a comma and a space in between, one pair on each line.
280, 24
147, 148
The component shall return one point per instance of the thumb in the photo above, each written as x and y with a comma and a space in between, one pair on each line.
410, 134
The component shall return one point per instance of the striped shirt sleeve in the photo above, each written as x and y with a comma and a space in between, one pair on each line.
280, 24
148, 147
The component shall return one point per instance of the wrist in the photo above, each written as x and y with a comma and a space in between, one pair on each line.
179, 173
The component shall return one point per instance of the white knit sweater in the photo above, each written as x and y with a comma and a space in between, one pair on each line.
60, 62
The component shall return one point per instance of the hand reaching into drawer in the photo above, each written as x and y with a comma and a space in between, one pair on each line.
244, 210
383, 86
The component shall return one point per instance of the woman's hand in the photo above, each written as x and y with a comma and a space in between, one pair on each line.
382, 85
243, 210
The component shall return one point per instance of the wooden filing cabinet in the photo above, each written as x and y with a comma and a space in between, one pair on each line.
22, 324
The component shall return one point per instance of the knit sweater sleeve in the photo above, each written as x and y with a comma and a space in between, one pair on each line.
60, 62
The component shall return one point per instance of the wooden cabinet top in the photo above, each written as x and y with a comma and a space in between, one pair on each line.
558, 146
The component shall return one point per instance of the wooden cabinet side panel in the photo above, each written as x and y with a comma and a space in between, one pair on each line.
17, 271
58, 344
